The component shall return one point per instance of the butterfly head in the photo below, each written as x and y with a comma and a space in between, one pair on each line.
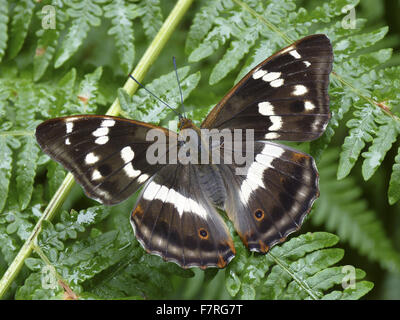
185, 123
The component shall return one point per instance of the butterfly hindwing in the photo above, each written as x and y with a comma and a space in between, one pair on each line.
174, 219
272, 198
283, 98
105, 154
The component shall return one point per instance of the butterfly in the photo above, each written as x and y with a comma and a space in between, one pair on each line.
176, 215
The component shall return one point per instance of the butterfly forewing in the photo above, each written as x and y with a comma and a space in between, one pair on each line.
105, 154
283, 98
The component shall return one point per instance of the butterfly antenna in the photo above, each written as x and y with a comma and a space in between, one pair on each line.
147, 90
179, 85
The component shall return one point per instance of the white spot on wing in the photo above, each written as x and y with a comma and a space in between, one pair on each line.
96, 175
91, 158
276, 123
67, 141
102, 131
266, 108
127, 154
295, 54
253, 181
308, 105
178, 200
272, 135
151, 190
69, 126
307, 63
271, 76
162, 194
259, 73
254, 178
272, 150
143, 178
131, 172
277, 83
101, 140
299, 90
108, 123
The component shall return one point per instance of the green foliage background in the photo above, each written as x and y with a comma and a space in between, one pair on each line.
80, 67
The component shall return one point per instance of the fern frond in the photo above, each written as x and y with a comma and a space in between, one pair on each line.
361, 129
47, 42
301, 268
5, 170
341, 209
151, 17
26, 170
84, 14
85, 99
386, 135
22, 16
394, 185
3, 27
121, 15
55, 176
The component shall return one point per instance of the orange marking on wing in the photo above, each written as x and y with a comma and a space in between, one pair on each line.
138, 210
263, 247
221, 262
298, 157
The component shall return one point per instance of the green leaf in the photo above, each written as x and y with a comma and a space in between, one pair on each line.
151, 16
362, 288
235, 53
202, 23
394, 185
325, 12
5, 170
26, 170
382, 143
55, 176
3, 27
361, 129
121, 15
85, 99
84, 14
349, 45
301, 268
21, 20
342, 210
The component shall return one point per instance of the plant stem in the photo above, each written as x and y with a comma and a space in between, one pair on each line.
130, 86
302, 284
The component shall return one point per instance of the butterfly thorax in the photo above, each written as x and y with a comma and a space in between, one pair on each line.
209, 176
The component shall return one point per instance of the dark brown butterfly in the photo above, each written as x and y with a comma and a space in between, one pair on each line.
283, 98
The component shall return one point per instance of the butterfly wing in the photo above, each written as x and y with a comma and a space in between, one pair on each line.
271, 199
106, 155
285, 97
174, 219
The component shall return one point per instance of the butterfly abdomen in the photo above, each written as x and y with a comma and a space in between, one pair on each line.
212, 184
